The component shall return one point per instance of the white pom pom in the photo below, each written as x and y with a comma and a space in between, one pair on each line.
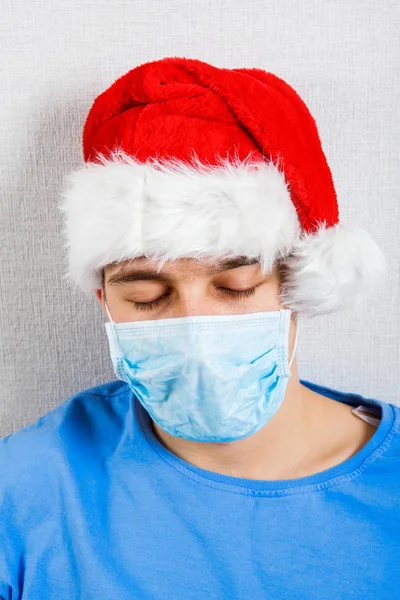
331, 269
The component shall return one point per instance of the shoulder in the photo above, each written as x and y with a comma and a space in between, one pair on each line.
384, 435
34, 448
355, 399
36, 464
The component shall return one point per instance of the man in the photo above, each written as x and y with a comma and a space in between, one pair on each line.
206, 222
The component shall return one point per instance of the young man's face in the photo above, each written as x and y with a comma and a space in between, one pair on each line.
137, 290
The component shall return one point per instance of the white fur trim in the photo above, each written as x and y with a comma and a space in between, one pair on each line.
120, 209
331, 269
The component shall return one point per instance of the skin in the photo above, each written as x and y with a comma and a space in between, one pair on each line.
309, 433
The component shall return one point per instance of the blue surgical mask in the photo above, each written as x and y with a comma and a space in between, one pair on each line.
216, 378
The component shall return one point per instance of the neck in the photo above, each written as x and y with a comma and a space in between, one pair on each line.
277, 451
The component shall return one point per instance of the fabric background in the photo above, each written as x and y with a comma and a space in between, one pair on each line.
57, 55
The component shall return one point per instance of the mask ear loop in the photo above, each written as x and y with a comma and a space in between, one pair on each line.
295, 345
115, 336
108, 311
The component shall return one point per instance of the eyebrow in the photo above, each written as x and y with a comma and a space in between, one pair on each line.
148, 274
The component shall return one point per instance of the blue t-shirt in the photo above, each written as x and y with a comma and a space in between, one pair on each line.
93, 506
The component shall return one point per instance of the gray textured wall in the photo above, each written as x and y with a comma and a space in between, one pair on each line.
57, 55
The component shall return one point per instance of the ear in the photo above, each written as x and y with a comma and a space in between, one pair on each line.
99, 295
100, 291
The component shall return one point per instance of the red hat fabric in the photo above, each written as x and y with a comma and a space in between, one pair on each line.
185, 159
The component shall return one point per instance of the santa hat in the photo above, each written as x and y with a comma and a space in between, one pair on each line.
185, 159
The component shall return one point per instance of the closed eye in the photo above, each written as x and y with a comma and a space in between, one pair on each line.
150, 305
238, 293
226, 291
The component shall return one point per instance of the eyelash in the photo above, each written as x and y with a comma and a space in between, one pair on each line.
235, 293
